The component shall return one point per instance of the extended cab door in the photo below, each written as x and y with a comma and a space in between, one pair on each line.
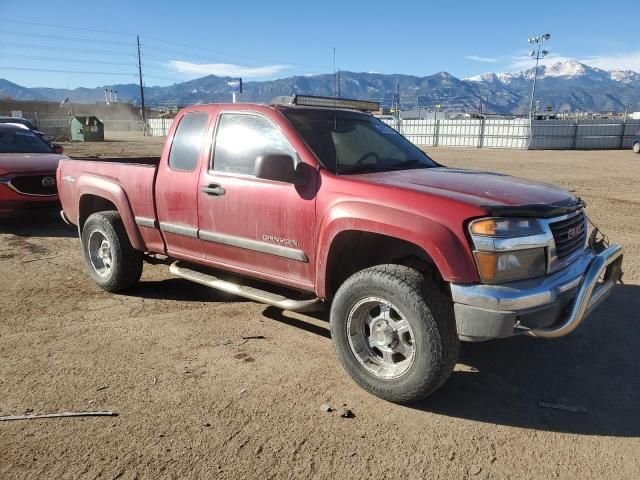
254, 226
177, 189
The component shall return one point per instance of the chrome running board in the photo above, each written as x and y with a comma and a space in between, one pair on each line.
251, 293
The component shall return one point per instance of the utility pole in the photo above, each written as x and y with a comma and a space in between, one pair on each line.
338, 83
144, 117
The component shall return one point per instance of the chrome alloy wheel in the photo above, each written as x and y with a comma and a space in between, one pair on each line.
381, 338
100, 253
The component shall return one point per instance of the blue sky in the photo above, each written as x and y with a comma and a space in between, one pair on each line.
263, 40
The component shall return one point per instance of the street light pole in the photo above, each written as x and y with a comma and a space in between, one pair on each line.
538, 53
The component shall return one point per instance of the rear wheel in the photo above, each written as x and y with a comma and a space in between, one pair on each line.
636, 147
394, 332
113, 264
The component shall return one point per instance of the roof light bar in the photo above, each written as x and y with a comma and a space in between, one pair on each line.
330, 102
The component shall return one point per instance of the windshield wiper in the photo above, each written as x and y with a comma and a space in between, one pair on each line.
409, 163
363, 168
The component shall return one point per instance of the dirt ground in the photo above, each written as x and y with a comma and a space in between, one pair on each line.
195, 400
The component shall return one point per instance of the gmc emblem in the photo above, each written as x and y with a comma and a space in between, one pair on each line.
574, 232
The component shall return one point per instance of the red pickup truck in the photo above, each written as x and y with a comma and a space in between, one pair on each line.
311, 202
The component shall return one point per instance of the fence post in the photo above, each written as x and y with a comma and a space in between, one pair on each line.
575, 134
436, 129
481, 139
624, 127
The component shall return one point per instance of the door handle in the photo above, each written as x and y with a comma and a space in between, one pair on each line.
214, 190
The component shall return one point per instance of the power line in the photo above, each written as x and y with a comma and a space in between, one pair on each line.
58, 37
146, 46
66, 27
64, 49
59, 59
68, 71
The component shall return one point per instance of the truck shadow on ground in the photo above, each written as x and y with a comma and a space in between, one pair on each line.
180, 290
36, 223
596, 370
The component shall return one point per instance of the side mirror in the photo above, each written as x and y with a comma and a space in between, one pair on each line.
278, 167
58, 149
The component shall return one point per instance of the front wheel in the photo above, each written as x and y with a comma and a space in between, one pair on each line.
113, 263
394, 332
636, 147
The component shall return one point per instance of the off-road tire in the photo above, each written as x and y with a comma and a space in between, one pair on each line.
126, 266
430, 313
636, 147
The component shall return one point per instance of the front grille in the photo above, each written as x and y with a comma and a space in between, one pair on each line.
36, 184
569, 235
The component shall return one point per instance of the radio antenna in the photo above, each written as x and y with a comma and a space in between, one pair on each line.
335, 74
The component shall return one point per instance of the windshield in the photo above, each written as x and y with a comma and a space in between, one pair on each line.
350, 142
22, 141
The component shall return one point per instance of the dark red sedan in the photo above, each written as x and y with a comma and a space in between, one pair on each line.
27, 168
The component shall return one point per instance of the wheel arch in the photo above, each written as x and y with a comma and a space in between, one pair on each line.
96, 195
354, 250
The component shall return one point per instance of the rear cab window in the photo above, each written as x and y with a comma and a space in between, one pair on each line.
187, 141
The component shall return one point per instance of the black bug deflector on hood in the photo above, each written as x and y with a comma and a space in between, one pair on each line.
536, 210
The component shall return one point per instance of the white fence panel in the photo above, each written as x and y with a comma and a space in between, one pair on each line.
159, 127
459, 133
505, 133
122, 125
514, 133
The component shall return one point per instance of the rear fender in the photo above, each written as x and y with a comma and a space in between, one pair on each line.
100, 187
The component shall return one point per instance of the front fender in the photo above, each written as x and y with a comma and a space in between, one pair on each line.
100, 187
451, 255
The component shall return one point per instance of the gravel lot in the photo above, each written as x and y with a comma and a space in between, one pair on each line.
195, 400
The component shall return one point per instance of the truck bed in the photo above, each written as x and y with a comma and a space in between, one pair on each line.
127, 182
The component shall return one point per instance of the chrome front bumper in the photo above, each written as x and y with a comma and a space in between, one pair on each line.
547, 307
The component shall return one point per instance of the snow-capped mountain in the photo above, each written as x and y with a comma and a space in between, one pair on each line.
569, 69
568, 86
565, 86
628, 77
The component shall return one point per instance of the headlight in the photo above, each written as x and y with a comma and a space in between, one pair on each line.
505, 227
509, 249
498, 267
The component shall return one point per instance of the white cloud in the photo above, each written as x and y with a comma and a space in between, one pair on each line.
476, 58
623, 61
526, 62
225, 69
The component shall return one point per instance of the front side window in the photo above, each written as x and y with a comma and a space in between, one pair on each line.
241, 138
187, 141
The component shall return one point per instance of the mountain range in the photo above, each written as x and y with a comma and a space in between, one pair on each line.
563, 86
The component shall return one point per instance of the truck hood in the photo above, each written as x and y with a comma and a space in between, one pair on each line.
29, 162
494, 192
